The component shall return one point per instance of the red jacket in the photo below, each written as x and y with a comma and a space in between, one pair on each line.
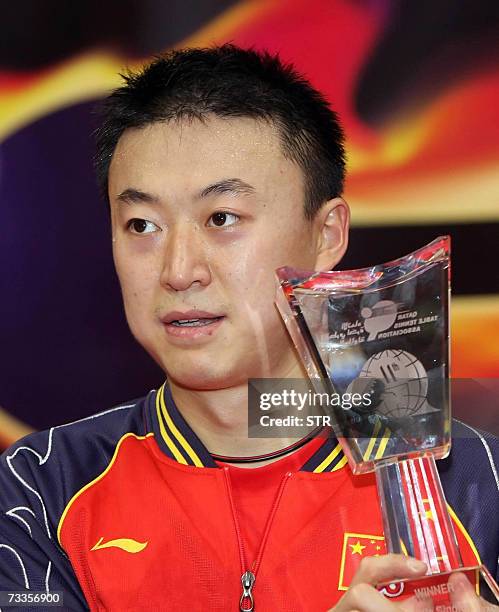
145, 517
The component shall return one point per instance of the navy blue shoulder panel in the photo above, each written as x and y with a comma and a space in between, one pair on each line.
38, 476
470, 480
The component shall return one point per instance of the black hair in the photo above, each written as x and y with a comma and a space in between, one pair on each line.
228, 82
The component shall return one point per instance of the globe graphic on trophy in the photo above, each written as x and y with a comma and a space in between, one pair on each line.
404, 383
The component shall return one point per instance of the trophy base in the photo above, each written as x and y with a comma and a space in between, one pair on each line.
438, 592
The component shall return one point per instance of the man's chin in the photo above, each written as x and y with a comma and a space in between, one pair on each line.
200, 370
218, 366
206, 381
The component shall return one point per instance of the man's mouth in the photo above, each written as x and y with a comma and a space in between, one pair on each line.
194, 322
190, 318
191, 325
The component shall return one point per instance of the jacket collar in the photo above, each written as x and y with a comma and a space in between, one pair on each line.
178, 441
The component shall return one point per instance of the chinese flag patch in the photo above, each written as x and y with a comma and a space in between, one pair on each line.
356, 546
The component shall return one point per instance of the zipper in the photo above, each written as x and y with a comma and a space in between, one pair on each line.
248, 576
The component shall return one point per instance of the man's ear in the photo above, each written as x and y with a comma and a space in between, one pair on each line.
333, 222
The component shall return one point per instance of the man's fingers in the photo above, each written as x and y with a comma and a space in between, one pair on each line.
416, 604
364, 598
463, 595
362, 595
373, 570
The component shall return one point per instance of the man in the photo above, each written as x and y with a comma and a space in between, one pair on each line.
220, 166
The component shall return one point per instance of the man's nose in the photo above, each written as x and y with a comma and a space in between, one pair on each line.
185, 262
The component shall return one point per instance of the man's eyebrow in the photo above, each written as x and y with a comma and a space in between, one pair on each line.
135, 196
233, 186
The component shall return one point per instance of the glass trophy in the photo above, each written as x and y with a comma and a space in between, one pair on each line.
382, 333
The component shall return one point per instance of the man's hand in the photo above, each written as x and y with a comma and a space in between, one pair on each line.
464, 597
362, 596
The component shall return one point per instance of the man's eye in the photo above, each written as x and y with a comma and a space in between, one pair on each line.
141, 226
222, 219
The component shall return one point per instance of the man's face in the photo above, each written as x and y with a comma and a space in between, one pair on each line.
202, 214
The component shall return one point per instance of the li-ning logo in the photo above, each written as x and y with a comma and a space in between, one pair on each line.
379, 317
126, 544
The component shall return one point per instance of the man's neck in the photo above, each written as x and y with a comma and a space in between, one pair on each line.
219, 417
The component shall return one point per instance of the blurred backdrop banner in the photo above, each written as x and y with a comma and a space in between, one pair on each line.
415, 83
